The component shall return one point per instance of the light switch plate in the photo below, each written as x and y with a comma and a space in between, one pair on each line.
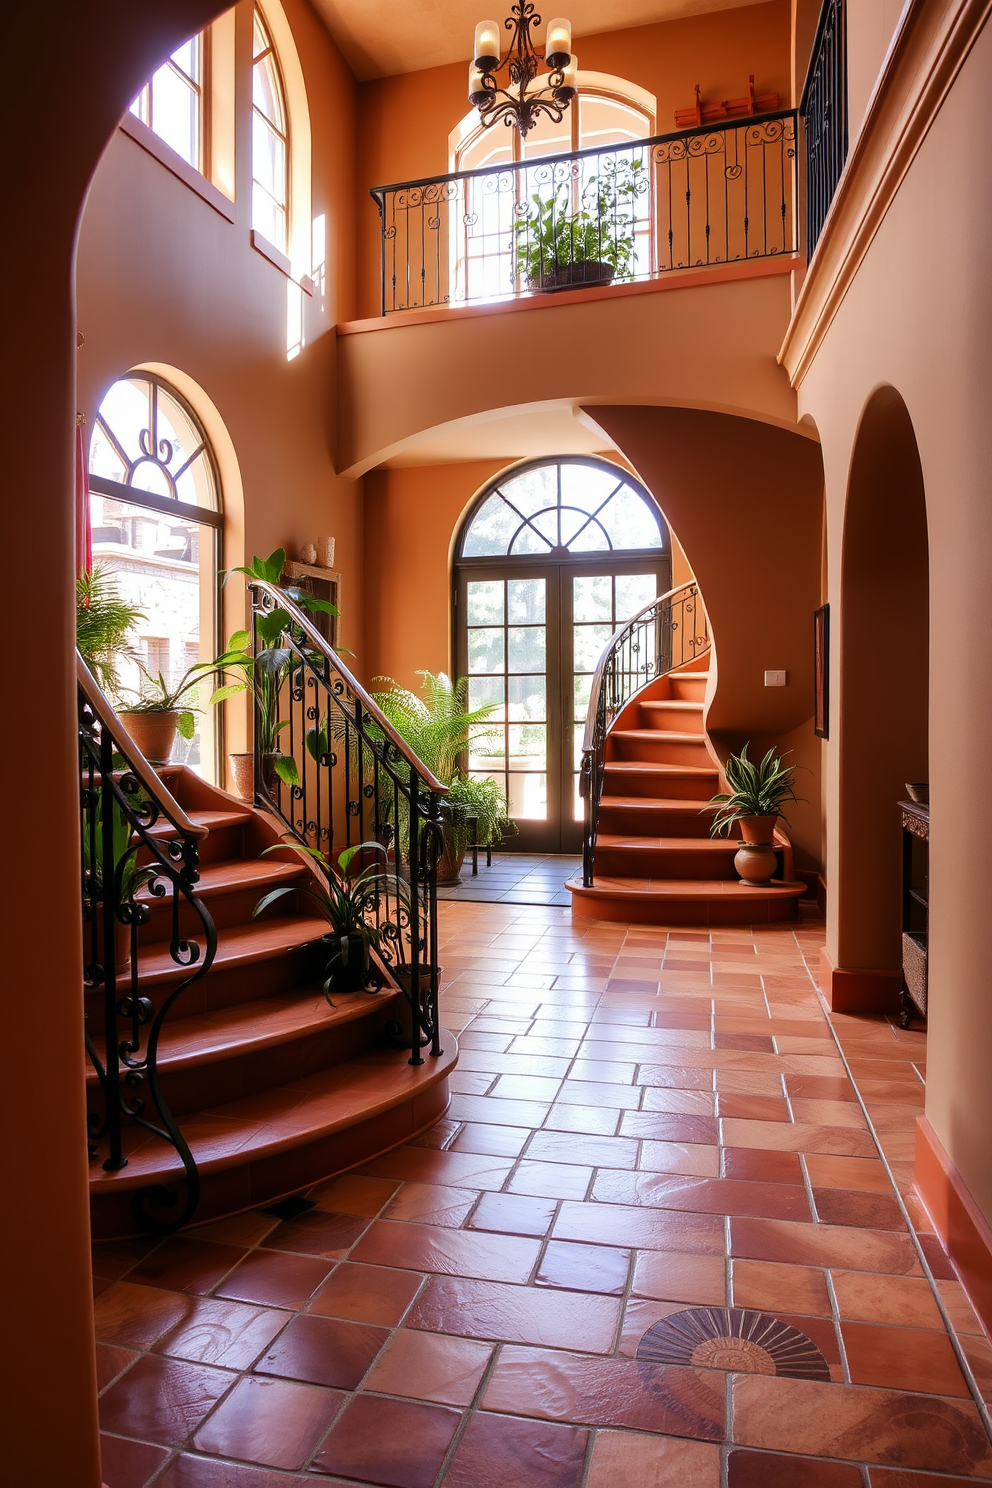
775, 679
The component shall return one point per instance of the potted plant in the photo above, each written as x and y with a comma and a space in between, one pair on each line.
128, 878
262, 675
104, 622
754, 803
157, 715
437, 726
559, 246
346, 903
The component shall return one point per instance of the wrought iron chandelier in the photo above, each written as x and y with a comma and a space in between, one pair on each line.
524, 96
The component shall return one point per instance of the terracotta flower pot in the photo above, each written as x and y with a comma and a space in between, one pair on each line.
449, 864
242, 767
758, 830
588, 272
154, 733
756, 864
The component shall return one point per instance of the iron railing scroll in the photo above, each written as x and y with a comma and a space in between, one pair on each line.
717, 194
354, 780
139, 851
825, 116
667, 633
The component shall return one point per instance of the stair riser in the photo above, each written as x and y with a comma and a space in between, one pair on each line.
649, 786
655, 822
660, 751
619, 862
232, 1190
664, 716
687, 688
228, 909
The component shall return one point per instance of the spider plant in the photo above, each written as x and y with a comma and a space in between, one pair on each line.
161, 698
104, 622
755, 789
346, 903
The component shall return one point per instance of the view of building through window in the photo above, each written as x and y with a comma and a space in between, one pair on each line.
171, 102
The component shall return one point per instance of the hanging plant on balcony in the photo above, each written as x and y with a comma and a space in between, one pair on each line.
560, 244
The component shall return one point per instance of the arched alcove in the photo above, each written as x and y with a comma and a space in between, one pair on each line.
883, 713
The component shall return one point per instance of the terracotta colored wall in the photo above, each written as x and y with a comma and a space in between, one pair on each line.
404, 121
870, 27
915, 318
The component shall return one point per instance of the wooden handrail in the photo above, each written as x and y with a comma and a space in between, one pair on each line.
152, 782
317, 641
588, 743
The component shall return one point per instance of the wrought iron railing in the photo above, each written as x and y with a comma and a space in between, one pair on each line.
353, 780
703, 196
139, 853
824, 111
666, 634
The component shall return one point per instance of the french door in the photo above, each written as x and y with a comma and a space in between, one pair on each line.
529, 637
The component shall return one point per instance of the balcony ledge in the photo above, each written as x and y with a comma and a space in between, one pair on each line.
756, 268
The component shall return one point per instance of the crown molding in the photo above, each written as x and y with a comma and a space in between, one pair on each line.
931, 45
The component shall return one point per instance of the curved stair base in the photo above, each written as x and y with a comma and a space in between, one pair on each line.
645, 901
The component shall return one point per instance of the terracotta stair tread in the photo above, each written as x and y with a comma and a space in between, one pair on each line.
717, 846
650, 767
261, 940
247, 1027
212, 820
236, 874
284, 1117
657, 735
684, 705
652, 804
686, 888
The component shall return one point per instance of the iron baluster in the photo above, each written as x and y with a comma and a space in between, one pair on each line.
824, 111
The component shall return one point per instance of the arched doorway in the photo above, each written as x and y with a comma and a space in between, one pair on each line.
552, 557
884, 693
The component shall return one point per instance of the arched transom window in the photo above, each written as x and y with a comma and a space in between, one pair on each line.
269, 142
574, 507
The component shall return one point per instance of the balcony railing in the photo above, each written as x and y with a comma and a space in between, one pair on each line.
824, 113
712, 195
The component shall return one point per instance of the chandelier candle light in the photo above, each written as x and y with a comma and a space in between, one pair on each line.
525, 96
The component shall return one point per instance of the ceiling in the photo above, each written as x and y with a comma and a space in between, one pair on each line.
385, 37
521, 435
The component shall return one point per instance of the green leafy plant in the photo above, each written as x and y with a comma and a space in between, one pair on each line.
161, 698
438, 724
481, 798
755, 789
552, 234
345, 902
127, 875
104, 622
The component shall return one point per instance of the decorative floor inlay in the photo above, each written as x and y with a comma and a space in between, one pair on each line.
736, 1339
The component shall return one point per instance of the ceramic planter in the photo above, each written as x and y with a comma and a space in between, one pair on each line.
569, 276
756, 864
450, 862
242, 767
351, 975
757, 831
154, 733
270, 779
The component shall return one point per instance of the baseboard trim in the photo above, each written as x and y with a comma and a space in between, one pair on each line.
854, 990
815, 884
963, 1230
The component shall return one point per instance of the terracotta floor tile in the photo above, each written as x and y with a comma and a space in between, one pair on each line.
162, 1400
751, 1041
249, 1228
978, 1352
662, 1127
550, 1180
855, 1422
820, 1087
692, 1159
583, 1119
895, 1477
129, 1464
748, 1082
318, 1233
393, 1443
507, 1452
275, 1280
937, 1258
900, 1301
622, 1458
459, 1169
513, 1214
822, 1332
275, 1422
134, 1316
188, 1471
429, 1366
754, 1107
824, 1245
323, 1351
353, 1194
769, 1470
902, 1359
584, 1268
963, 1316
115, 1258
229, 1334
756, 1166
599, 1093
799, 1136
367, 1294
491, 1141
870, 1211
572, 1147
448, 1252
866, 1174
110, 1362
431, 1203
608, 1392
182, 1265
674, 1077
643, 1228
703, 1195
701, 1280
674, 1102
514, 1314
774, 1287
828, 1112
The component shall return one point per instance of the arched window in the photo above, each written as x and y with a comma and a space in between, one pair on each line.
551, 559
171, 102
156, 514
269, 141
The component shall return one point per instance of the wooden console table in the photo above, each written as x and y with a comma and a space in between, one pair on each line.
915, 909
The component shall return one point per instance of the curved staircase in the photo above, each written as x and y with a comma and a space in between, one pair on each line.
655, 863
273, 1089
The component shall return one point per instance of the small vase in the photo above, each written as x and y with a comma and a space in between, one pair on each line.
154, 733
242, 768
756, 863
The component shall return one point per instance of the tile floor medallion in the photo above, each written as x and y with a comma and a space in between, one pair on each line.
665, 1234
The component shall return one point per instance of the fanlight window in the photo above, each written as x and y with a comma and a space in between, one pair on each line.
156, 520
171, 102
269, 142
574, 506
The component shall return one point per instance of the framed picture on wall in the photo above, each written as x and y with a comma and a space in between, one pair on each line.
821, 671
